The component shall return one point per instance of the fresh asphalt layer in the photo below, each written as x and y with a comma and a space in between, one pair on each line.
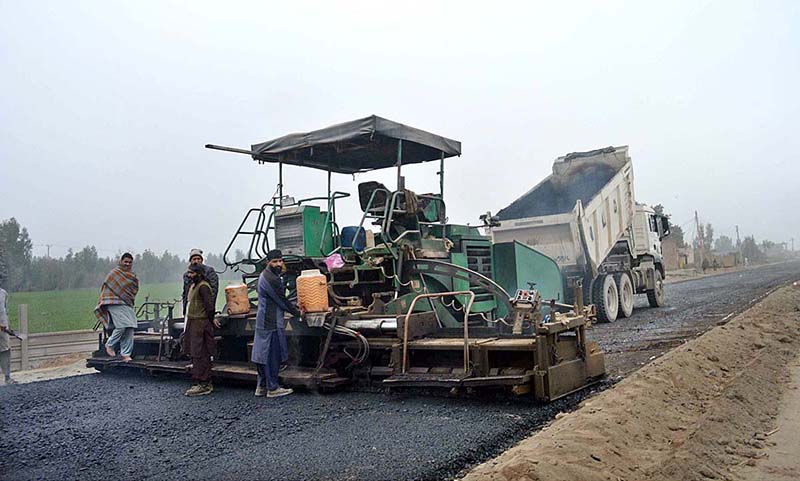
140, 428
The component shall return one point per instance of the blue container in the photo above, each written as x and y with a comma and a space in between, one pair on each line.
354, 237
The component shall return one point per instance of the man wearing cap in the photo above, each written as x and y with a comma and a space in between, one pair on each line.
200, 324
209, 274
268, 353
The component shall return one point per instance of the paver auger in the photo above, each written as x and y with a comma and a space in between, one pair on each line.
418, 302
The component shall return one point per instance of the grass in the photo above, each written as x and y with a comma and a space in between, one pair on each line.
53, 311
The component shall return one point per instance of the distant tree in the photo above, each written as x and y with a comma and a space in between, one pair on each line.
708, 237
216, 261
3, 268
17, 252
723, 244
675, 231
750, 249
19, 270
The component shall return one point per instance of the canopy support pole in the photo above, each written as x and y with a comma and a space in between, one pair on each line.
399, 162
280, 184
441, 176
331, 203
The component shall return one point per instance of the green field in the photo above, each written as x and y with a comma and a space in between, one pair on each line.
53, 311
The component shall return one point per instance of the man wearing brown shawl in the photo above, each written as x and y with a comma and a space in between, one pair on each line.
115, 307
200, 324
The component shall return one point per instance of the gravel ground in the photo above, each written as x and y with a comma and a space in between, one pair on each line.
88, 427
100, 427
693, 307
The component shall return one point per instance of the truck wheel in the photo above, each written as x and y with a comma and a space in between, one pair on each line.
606, 298
625, 294
656, 296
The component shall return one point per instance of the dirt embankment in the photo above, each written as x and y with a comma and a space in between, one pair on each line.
706, 410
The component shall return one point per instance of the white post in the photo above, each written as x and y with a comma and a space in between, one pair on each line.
23, 329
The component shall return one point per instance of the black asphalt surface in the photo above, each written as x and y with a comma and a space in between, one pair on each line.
139, 428
113, 427
692, 307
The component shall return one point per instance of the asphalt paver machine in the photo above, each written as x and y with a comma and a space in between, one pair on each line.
415, 301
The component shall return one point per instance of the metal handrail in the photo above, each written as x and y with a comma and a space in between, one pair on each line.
367, 214
330, 219
259, 241
263, 225
466, 323
389, 214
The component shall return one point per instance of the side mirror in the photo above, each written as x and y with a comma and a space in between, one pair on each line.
663, 226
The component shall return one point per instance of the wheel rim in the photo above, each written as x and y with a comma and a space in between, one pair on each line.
626, 293
660, 290
611, 298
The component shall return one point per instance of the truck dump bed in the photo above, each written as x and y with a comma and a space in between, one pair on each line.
578, 213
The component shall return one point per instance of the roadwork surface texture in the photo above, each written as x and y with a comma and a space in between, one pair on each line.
88, 427
101, 426
706, 410
693, 307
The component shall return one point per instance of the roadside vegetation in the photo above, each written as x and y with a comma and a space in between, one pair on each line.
54, 311
61, 293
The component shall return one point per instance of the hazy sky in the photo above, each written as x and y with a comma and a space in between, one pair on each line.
106, 106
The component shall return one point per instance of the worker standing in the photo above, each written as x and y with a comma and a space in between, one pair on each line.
115, 307
267, 346
210, 275
5, 347
200, 324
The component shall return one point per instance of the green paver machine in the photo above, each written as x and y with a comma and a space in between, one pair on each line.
415, 301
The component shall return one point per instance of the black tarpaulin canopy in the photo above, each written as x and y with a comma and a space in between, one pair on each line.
357, 146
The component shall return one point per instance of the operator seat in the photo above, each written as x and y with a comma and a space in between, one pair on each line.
365, 190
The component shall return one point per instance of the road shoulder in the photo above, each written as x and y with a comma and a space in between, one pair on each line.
782, 455
705, 410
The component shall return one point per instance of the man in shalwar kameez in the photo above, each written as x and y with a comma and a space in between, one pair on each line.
115, 307
269, 350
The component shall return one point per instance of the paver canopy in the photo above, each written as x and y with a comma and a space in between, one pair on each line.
357, 146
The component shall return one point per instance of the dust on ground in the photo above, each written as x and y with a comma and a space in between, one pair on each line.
707, 410
783, 449
63, 366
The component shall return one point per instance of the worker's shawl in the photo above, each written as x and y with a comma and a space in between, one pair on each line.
120, 287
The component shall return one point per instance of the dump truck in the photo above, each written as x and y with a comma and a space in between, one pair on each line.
414, 300
585, 217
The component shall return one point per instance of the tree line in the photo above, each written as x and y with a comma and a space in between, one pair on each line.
748, 246
20, 270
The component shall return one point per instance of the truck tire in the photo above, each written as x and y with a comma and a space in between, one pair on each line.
606, 298
656, 296
625, 286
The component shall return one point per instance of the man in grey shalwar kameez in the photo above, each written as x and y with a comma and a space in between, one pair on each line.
268, 347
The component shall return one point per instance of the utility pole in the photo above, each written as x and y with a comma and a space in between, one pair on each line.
698, 267
739, 245
48, 249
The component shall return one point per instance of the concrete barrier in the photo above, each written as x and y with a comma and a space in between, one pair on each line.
40, 348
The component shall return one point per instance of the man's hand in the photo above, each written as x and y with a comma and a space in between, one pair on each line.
216, 323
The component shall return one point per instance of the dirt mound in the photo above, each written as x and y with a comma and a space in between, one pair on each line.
702, 411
